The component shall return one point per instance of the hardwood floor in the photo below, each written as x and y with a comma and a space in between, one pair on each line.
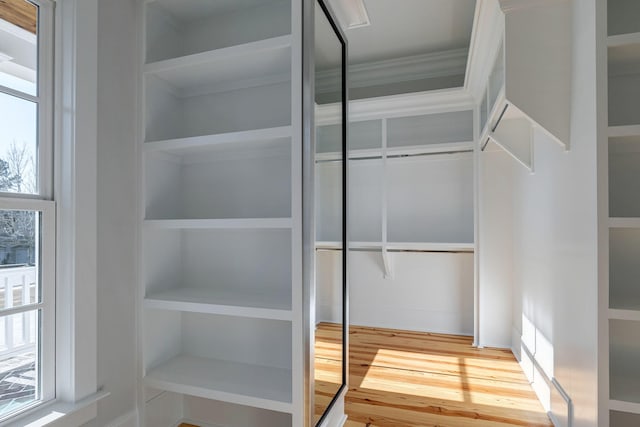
408, 379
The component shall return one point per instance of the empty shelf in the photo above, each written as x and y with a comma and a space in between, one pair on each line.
226, 223
266, 305
623, 39
240, 383
623, 311
624, 222
629, 407
251, 64
431, 247
624, 131
625, 389
244, 139
352, 245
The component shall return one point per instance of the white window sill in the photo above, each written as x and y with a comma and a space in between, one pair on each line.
59, 413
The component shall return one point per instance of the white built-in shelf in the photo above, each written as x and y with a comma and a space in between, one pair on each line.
631, 222
626, 311
430, 247
240, 383
623, 39
240, 140
625, 389
264, 305
226, 223
352, 245
622, 406
402, 246
251, 64
444, 148
624, 131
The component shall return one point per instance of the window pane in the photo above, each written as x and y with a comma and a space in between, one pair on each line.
18, 145
18, 255
19, 45
19, 360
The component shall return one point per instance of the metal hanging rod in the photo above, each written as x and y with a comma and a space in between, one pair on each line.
449, 251
396, 156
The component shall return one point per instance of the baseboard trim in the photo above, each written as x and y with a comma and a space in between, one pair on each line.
130, 419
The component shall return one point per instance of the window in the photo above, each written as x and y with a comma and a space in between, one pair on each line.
27, 211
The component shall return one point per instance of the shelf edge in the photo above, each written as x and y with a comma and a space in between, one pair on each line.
621, 222
623, 39
624, 314
220, 309
226, 223
223, 396
622, 406
623, 131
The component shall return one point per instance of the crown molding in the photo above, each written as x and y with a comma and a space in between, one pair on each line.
411, 104
397, 70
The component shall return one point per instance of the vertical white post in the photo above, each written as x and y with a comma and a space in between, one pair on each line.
26, 336
388, 273
8, 323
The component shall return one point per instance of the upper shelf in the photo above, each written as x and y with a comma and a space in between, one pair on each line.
241, 66
623, 17
226, 223
528, 91
176, 29
445, 148
237, 140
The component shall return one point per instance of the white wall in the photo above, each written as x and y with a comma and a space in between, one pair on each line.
429, 292
116, 244
554, 241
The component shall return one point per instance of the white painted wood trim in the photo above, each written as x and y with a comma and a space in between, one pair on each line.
412, 104
130, 419
75, 193
58, 413
404, 69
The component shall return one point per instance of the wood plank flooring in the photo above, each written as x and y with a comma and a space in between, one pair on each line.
409, 379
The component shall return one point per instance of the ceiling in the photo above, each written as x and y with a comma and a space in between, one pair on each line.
402, 28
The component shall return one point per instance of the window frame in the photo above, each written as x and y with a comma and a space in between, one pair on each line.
41, 202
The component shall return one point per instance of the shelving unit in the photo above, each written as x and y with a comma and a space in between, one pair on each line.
221, 218
410, 180
529, 62
426, 160
622, 287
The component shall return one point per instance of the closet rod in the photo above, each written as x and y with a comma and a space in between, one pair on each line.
397, 156
448, 251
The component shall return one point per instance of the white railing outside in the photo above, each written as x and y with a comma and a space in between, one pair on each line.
17, 288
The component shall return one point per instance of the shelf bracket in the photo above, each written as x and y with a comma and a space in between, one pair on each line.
515, 136
387, 263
